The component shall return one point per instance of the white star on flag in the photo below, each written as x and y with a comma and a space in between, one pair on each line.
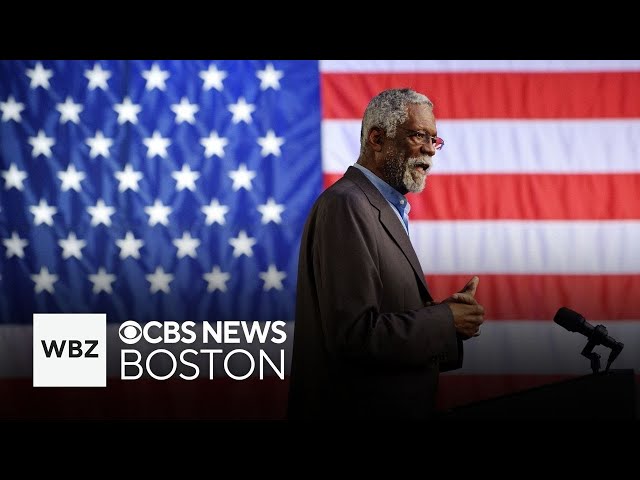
216, 279
43, 213
242, 244
15, 245
186, 245
11, 110
271, 211
97, 77
213, 78
272, 278
13, 177
155, 78
101, 213
241, 111
127, 111
99, 145
215, 212
44, 280
270, 144
185, 178
128, 178
69, 111
269, 77
72, 246
129, 246
157, 145
39, 76
159, 280
142, 185
102, 281
185, 111
214, 145
158, 213
41, 144
71, 178
242, 177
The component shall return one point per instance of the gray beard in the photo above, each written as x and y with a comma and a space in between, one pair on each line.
400, 174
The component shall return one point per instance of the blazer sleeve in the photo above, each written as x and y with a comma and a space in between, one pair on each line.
349, 287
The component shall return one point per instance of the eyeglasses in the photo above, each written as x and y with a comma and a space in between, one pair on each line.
422, 138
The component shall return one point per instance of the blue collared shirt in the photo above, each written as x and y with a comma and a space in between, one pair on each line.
396, 199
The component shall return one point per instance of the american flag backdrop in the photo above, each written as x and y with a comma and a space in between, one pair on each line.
177, 190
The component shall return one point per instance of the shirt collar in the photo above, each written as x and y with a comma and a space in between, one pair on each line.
393, 196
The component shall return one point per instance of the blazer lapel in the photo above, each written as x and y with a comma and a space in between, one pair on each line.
389, 220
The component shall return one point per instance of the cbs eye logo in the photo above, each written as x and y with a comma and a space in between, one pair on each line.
130, 332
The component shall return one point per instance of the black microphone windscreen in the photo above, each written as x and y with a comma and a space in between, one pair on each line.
568, 319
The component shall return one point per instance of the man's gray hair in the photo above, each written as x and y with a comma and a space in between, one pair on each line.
389, 109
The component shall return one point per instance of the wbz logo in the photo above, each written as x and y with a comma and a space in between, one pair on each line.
75, 348
69, 350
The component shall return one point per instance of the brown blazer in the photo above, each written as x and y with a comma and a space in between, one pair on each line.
366, 341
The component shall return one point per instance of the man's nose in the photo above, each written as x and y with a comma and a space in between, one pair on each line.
428, 148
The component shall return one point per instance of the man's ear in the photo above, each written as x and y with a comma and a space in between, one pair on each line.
376, 138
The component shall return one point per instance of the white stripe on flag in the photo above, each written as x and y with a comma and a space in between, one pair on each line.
504, 347
514, 146
384, 66
16, 352
544, 348
566, 247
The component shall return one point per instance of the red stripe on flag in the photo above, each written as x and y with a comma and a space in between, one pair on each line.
528, 197
331, 178
538, 297
524, 197
218, 399
493, 95
457, 390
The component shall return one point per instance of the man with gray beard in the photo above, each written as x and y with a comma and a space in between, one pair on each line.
369, 339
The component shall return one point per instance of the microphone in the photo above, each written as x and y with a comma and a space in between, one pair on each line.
574, 322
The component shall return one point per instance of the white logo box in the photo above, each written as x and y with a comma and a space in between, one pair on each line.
74, 353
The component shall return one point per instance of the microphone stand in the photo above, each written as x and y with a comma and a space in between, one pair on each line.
597, 337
